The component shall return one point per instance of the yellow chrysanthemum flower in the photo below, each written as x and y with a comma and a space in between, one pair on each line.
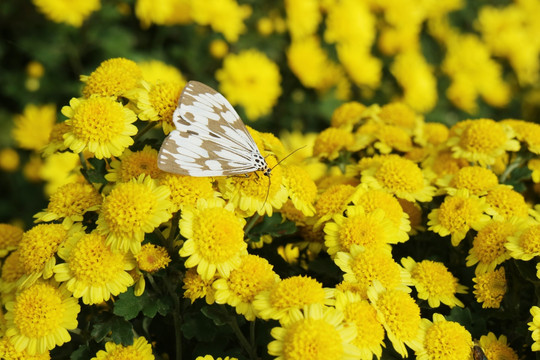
285, 300
157, 102
400, 177
390, 138
195, 287
497, 348
317, 333
251, 80
70, 202
152, 258
347, 114
255, 192
10, 237
303, 17
59, 169
350, 21
164, 12
330, 142
457, 215
370, 229
506, 202
140, 350
524, 243
363, 266
112, 78
215, 238
92, 271
38, 248
333, 201
155, 71
62, 11
371, 199
8, 352
11, 271
187, 190
443, 339
534, 326
99, 124
252, 276
433, 134
133, 164
489, 288
301, 188
443, 163
370, 332
56, 139
417, 79
434, 282
132, 209
482, 141
223, 16
488, 248
32, 128
40, 316
9, 160
478, 180
400, 316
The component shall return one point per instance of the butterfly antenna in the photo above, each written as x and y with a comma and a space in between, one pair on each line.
280, 161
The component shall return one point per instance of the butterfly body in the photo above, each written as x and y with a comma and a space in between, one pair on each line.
210, 139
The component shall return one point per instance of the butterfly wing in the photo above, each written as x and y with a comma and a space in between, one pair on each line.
210, 138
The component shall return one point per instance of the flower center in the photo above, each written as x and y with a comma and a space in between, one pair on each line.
530, 240
38, 310
39, 244
296, 292
448, 340
313, 340
98, 119
400, 174
401, 313
219, 235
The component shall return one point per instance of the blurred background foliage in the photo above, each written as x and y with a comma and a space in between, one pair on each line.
47, 44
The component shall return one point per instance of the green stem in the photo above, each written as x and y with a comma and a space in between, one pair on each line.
509, 169
144, 130
161, 237
177, 318
240, 336
251, 222
172, 233
252, 334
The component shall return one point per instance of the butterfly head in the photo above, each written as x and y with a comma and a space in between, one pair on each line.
261, 164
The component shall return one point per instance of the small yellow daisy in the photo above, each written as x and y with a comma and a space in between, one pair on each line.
285, 300
370, 332
400, 316
10, 237
195, 287
215, 238
443, 339
317, 333
434, 282
489, 288
40, 316
187, 190
140, 350
132, 209
497, 348
70, 202
457, 215
301, 188
363, 266
534, 327
92, 271
8, 352
132, 164
113, 77
333, 201
100, 125
524, 243
506, 202
253, 275
152, 258
31, 129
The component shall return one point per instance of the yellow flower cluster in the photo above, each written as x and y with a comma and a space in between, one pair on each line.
364, 194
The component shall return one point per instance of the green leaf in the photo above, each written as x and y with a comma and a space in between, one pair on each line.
82, 353
128, 305
96, 174
200, 327
120, 331
217, 314
274, 226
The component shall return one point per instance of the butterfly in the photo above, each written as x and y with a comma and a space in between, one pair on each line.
210, 138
